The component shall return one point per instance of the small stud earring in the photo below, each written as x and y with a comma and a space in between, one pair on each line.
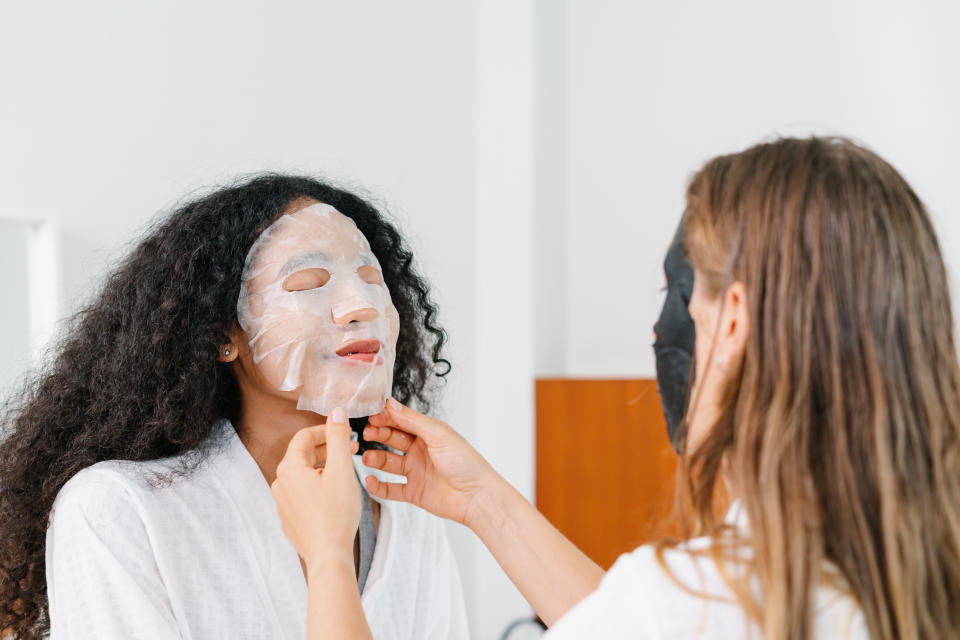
226, 352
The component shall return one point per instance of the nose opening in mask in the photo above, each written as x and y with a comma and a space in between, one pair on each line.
354, 306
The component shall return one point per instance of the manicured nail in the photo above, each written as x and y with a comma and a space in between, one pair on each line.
338, 416
396, 406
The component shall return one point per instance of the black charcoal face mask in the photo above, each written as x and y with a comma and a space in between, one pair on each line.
675, 339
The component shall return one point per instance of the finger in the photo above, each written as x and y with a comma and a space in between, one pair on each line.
380, 419
339, 446
414, 422
386, 490
384, 460
394, 438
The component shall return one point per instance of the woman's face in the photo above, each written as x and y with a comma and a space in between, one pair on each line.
704, 333
316, 314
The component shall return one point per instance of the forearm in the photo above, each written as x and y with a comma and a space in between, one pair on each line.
333, 605
548, 569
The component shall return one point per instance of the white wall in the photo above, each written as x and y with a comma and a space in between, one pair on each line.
505, 273
15, 302
655, 89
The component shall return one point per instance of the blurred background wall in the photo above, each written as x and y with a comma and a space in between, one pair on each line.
535, 153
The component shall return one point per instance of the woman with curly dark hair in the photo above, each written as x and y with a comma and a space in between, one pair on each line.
149, 443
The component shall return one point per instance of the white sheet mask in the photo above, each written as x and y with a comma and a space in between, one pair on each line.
335, 338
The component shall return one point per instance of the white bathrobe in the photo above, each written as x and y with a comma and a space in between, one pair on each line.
638, 599
205, 558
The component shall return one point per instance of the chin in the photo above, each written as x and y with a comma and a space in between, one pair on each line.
359, 407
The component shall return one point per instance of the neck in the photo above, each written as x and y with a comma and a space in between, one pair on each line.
266, 425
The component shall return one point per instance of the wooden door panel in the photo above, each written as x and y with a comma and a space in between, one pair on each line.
606, 474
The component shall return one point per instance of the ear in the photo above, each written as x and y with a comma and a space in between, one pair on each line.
229, 351
734, 326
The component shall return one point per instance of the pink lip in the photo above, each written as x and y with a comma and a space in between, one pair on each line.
361, 351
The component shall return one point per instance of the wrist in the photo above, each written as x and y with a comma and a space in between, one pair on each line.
329, 561
491, 507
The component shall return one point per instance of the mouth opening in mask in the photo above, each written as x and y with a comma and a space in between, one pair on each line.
362, 351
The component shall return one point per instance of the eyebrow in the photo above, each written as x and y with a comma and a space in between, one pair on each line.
296, 262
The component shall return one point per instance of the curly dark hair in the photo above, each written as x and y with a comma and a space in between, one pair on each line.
136, 376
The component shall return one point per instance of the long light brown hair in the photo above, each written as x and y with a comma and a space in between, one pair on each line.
840, 431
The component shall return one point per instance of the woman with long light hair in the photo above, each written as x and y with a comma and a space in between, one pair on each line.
806, 360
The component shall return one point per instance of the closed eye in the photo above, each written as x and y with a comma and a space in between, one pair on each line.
306, 279
370, 274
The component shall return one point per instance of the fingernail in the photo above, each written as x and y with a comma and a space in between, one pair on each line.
367, 432
396, 406
338, 415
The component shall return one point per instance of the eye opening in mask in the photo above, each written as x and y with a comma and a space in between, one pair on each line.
306, 279
370, 274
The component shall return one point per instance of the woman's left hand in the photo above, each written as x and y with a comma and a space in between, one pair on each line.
320, 507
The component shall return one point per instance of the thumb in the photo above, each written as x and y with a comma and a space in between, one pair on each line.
339, 452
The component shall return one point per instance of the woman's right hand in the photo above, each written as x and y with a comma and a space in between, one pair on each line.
448, 478
445, 475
